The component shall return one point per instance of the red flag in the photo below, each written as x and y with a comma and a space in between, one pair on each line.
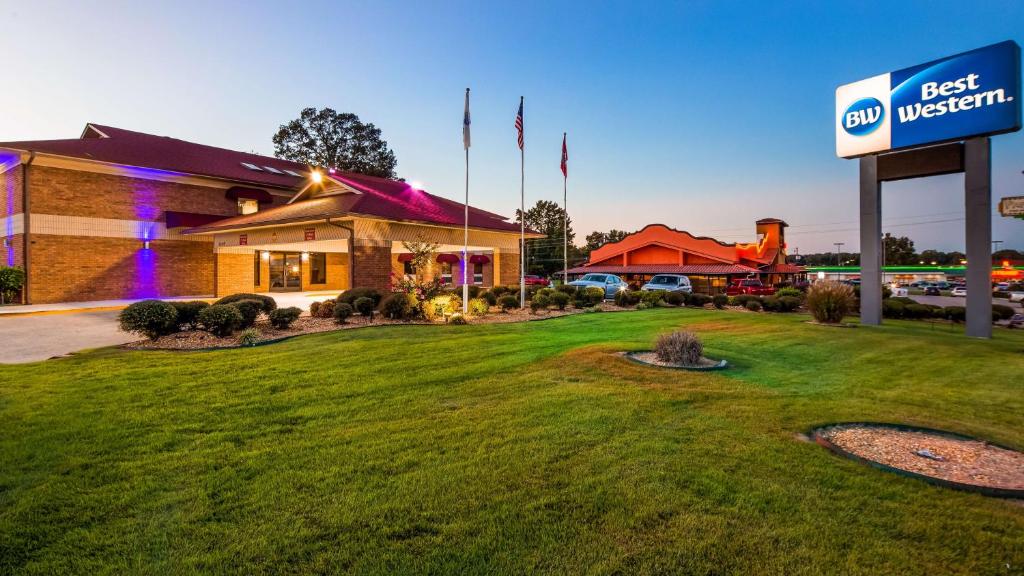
565, 158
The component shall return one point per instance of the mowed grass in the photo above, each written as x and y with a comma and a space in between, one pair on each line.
505, 449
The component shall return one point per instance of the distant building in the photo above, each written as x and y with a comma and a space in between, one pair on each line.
709, 263
903, 275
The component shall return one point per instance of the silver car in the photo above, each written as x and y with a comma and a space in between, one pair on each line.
669, 283
610, 283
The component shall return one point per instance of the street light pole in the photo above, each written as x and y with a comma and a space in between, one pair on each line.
839, 252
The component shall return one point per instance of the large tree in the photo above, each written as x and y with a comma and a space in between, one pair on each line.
596, 239
331, 139
544, 255
898, 250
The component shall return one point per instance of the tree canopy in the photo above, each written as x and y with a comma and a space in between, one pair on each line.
544, 255
898, 250
331, 139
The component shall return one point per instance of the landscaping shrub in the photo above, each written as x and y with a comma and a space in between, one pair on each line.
441, 306
350, 296
791, 292
314, 308
474, 291
753, 305
284, 317
591, 310
490, 297
644, 306
249, 337
12, 279
341, 311
675, 298
188, 312
220, 319
1002, 312
742, 299
955, 313
626, 298
479, 307
150, 318
249, 309
829, 301
698, 300
904, 300
458, 319
719, 300
770, 303
540, 302
365, 305
267, 304
652, 297
589, 296
508, 302
324, 309
566, 289
499, 291
680, 347
560, 300
916, 311
544, 292
788, 303
397, 306
892, 308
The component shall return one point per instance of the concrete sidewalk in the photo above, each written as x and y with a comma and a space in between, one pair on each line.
300, 300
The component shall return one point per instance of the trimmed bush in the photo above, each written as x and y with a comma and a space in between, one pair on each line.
284, 317
770, 303
540, 302
499, 291
544, 292
314, 308
829, 301
12, 280
698, 300
479, 307
188, 312
365, 305
652, 297
150, 318
644, 306
589, 296
719, 300
325, 309
742, 299
441, 306
625, 298
560, 300
892, 308
341, 312
249, 337
220, 319
490, 297
955, 313
793, 292
458, 319
916, 311
350, 296
474, 290
1002, 312
267, 304
788, 303
250, 310
675, 298
753, 305
508, 302
680, 347
397, 306
566, 289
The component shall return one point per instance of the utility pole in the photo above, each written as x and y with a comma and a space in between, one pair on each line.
839, 252
995, 245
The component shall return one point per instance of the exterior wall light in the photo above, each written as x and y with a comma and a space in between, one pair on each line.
316, 176
305, 256
266, 255
145, 244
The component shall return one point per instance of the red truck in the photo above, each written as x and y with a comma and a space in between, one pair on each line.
749, 286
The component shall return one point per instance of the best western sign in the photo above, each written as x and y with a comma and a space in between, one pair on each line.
971, 94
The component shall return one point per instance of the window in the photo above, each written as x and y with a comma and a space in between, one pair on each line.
256, 268
272, 169
446, 272
318, 268
409, 269
478, 273
251, 166
247, 206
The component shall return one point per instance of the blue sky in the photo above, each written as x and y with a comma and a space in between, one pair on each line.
701, 115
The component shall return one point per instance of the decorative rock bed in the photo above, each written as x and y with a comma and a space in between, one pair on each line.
649, 358
938, 457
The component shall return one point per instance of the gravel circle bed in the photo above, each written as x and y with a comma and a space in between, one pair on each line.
651, 358
944, 458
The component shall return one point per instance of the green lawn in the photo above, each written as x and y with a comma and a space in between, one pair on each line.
505, 449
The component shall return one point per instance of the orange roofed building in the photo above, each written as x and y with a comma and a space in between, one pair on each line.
710, 264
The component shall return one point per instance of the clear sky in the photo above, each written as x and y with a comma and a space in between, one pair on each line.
701, 115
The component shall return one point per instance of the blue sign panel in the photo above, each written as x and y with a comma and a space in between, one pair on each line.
971, 94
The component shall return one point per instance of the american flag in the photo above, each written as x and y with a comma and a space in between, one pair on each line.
465, 123
519, 122
565, 158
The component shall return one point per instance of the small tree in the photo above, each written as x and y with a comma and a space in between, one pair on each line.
12, 279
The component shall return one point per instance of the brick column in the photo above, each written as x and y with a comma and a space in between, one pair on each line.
372, 261
508, 268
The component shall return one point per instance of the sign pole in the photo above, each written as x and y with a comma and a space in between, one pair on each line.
978, 198
870, 242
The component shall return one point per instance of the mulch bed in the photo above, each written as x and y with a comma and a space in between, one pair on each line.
952, 459
200, 340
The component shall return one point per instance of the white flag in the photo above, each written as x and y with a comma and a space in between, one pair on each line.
465, 123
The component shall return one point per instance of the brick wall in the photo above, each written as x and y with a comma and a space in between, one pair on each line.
10, 192
235, 273
509, 268
78, 268
373, 264
337, 273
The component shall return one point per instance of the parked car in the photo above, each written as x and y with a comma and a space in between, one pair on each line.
610, 283
959, 291
932, 291
1001, 287
668, 282
1017, 321
533, 280
942, 285
749, 286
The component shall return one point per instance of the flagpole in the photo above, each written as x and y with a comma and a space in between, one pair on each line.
522, 217
565, 224
465, 230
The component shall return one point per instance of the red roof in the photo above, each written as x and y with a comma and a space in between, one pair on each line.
782, 269
712, 269
142, 150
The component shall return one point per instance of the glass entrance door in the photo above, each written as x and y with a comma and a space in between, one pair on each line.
285, 271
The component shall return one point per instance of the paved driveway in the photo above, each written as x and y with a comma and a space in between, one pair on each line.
40, 336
